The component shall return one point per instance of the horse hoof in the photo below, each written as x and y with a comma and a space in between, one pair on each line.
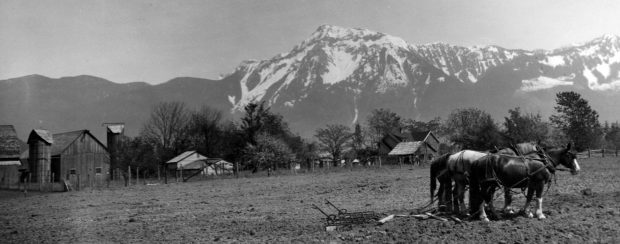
485, 219
529, 215
541, 217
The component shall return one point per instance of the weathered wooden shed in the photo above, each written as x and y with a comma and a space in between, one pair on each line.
9, 157
80, 158
412, 147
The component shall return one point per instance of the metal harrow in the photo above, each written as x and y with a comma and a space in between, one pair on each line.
344, 218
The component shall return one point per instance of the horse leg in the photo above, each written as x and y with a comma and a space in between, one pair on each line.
484, 192
461, 197
490, 195
528, 199
447, 195
441, 203
539, 190
508, 201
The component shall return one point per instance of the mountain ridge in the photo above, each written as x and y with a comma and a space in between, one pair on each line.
337, 75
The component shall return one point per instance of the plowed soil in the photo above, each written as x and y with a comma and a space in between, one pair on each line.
582, 208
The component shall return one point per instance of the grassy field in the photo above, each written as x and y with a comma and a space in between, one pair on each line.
278, 209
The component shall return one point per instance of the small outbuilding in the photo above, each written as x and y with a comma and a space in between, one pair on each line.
9, 157
191, 161
412, 147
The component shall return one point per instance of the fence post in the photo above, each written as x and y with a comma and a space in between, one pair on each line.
52, 183
137, 175
589, 155
165, 173
603, 152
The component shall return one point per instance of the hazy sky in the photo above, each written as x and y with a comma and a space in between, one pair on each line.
155, 41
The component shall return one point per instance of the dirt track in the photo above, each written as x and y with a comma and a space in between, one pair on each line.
278, 209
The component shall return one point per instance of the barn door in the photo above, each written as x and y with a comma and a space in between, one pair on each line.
73, 178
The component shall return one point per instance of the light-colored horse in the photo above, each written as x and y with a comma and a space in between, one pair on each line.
458, 167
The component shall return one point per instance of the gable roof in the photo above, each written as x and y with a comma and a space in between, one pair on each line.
189, 160
9, 143
405, 148
63, 140
40, 134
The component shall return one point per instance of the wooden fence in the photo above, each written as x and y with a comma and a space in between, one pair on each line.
598, 153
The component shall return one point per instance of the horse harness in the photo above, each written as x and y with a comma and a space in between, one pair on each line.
546, 160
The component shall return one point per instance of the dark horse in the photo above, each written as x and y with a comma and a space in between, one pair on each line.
493, 170
455, 167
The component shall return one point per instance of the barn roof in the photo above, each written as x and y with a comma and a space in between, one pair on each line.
41, 134
9, 144
63, 140
405, 148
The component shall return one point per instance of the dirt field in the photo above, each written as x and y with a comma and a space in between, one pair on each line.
278, 209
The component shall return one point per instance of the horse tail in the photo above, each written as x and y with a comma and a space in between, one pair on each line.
437, 165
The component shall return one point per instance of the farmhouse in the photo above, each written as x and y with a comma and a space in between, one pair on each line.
76, 157
410, 146
9, 157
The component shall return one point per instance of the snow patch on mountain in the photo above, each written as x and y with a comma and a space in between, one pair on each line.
341, 66
554, 61
544, 82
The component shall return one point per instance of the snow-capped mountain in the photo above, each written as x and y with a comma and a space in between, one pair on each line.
362, 58
339, 75
593, 65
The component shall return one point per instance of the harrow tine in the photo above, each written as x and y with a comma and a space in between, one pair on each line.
320, 210
340, 211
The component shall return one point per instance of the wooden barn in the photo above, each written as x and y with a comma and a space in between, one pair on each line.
76, 157
410, 147
9, 157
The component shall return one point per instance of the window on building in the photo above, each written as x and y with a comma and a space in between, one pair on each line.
98, 170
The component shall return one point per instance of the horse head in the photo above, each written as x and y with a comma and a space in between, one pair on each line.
566, 158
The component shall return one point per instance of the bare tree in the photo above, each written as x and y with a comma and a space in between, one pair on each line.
333, 138
206, 129
166, 128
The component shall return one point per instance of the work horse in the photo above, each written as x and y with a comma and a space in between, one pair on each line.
508, 171
455, 167
448, 168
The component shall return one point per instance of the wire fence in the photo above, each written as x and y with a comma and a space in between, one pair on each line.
598, 153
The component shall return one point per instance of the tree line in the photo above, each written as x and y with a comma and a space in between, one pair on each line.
262, 139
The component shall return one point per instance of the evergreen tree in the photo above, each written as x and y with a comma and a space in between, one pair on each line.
576, 119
